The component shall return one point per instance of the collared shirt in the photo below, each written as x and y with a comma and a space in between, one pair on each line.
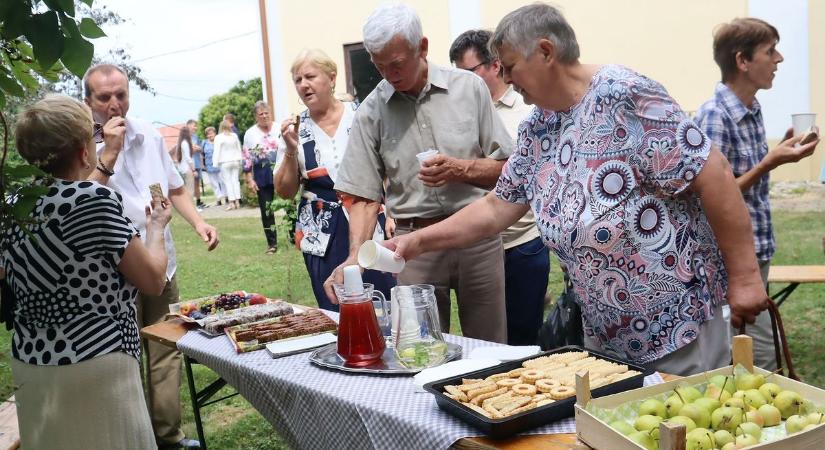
607, 180
453, 114
512, 110
739, 133
144, 161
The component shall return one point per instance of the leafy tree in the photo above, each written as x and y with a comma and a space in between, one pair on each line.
38, 41
239, 100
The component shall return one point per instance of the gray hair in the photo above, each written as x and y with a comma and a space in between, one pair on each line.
260, 104
522, 29
391, 20
105, 69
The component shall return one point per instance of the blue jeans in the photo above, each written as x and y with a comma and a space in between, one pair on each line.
526, 272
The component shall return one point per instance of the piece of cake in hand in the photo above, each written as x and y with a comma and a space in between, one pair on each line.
156, 191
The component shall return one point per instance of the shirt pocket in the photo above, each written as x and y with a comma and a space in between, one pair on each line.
458, 135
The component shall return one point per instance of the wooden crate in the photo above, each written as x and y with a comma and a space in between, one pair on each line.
600, 436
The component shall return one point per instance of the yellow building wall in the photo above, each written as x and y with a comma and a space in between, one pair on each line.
340, 23
667, 40
809, 168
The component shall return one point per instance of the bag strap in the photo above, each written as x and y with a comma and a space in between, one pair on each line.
779, 340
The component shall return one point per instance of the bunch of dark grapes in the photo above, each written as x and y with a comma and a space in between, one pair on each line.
228, 301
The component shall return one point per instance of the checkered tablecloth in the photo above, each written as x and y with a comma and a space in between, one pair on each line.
317, 408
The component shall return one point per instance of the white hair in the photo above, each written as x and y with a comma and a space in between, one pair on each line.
388, 21
523, 28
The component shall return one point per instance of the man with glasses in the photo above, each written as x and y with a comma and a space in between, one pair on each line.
526, 258
418, 106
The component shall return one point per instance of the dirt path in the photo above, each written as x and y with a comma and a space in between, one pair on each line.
798, 196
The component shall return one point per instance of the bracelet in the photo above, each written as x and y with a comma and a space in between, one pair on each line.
102, 167
291, 155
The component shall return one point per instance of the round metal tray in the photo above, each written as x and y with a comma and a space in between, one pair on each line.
327, 356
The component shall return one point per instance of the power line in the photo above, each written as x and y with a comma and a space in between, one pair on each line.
196, 47
199, 100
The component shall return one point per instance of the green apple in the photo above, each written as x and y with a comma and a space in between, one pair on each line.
795, 424
689, 393
735, 403
724, 382
816, 418
707, 403
810, 426
622, 427
673, 405
739, 395
755, 416
770, 415
722, 437
699, 439
769, 391
726, 418
745, 381
754, 398
697, 413
715, 392
689, 424
647, 422
644, 439
745, 440
652, 407
788, 403
749, 428
729, 446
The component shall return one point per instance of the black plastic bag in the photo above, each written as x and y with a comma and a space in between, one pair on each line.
563, 325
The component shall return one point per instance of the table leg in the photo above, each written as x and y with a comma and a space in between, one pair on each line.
783, 294
193, 394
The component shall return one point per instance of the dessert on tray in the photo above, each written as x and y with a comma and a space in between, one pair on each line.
215, 324
254, 336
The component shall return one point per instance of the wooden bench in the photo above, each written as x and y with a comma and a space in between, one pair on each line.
9, 431
794, 276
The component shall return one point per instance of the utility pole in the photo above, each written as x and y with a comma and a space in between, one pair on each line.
265, 40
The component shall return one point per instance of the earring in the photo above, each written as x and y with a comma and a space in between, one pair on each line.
87, 165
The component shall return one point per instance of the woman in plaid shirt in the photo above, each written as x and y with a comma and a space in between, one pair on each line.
745, 50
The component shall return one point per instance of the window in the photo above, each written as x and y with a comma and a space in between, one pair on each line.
362, 76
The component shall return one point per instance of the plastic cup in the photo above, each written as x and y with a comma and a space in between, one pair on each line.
375, 256
423, 156
802, 122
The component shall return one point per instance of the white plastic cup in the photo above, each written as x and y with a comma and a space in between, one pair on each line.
424, 156
802, 122
375, 256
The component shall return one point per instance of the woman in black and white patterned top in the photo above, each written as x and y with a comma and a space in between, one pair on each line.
73, 287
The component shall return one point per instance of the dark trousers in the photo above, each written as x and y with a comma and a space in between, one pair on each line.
526, 270
265, 196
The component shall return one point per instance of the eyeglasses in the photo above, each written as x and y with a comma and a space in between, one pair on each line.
97, 132
473, 69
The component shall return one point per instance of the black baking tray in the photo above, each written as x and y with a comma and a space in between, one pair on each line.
508, 426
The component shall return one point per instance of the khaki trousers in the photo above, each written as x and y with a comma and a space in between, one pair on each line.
94, 404
477, 275
163, 369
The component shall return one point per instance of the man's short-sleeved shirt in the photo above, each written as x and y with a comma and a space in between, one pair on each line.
144, 161
739, 133
453, 113
607, 182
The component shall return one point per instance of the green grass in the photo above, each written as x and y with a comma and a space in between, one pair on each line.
239, 262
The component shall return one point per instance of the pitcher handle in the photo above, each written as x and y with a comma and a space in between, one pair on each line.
380, 296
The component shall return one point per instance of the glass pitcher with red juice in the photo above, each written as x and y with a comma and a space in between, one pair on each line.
360, 340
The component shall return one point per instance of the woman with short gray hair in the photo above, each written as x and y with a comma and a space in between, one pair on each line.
260, 146
629, 194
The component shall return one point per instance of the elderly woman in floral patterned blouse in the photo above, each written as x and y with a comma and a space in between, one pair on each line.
628, 192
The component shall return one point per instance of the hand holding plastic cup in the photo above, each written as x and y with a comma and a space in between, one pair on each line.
424, 156
375, 256
802, 122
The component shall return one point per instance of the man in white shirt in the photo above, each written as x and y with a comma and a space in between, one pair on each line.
131, 158
526, 258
